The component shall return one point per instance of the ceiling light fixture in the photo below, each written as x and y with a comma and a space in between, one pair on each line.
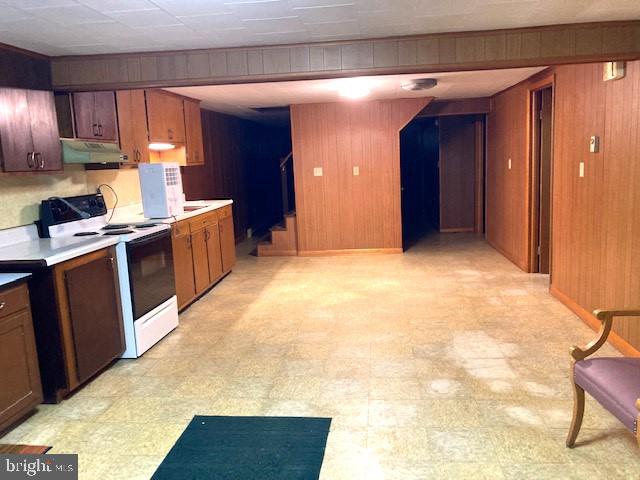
354, 88
161, 146
418, 84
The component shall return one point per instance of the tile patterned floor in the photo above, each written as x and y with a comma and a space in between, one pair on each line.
446, 362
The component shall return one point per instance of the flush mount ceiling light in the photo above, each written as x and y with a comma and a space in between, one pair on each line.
354, 88
419, 84
161, 146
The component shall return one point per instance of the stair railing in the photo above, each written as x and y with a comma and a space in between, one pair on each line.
284, 182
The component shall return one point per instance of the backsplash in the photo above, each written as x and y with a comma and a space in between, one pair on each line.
20, 195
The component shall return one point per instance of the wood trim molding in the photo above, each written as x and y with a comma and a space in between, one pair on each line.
349, 251
457, 230
616, 340
461, 106
509, 48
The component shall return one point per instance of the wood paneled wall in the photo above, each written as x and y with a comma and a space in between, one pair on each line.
507, 189
519, 47
457, 174
242, 163
339, 212
596, 219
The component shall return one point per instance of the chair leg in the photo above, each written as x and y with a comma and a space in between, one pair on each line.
578, 413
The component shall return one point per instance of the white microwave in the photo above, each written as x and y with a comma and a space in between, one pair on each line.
161, 188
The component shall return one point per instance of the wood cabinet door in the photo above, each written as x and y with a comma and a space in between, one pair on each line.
165, 116
16, 144
84, 104
227, 243
44, 131
19, 373
200, 260
174, 118
193, 132
132, 125
183, 268
105, 116
214, 253
96, 321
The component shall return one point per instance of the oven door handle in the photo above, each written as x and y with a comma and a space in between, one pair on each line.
150, 238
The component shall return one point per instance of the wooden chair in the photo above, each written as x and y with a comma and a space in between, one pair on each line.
613, 381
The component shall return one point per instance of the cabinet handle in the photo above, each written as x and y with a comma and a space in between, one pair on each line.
100, 130
206, 235
2, 305
95, 130
189, 243
170, 134
30, 159
40, 158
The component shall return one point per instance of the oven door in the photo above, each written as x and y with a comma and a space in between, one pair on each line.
151, 276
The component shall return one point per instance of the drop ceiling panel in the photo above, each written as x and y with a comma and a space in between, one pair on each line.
232, 23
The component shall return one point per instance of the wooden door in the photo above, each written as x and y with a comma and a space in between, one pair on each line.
95, 317
183, 264
15, 131
44, 131
214, 253
105, 116
84, 115
457, 174
193, 132
132, 125
227, 242
200, 260
19, 373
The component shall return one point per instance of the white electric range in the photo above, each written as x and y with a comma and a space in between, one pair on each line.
144, 260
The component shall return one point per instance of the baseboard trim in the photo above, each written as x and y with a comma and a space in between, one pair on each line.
457, 230
587, 317
508, 256
348, 251
276, 253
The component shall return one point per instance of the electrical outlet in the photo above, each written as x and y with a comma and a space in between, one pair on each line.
581, 170
317, 171
356, 171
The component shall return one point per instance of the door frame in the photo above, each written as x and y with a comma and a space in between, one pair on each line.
533, 136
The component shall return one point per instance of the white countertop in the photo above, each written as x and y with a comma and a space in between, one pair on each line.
7, 278
49, 251
133, 213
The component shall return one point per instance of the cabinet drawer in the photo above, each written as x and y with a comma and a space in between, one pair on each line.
13, 300
180, 228
203, 221
224, 212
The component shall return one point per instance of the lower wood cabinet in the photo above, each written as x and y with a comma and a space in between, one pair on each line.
78, 321
203, 252
20, 384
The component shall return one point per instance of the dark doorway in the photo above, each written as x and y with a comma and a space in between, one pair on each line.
420, 177
542, 153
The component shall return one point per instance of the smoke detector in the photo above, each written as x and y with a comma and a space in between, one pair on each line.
420, 84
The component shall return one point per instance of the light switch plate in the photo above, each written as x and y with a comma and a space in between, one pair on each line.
581, 170
356, 171
594, 144
509, 164
317, 171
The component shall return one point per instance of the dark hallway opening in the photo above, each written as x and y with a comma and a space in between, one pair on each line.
420, 178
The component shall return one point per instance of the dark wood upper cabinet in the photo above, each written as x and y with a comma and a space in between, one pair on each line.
165, 114
95, 116
19, 374
193, 132
132, 125
29, 138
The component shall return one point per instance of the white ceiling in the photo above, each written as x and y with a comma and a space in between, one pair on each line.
62, 27
240, 99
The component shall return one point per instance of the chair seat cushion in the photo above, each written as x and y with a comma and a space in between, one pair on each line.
614, 383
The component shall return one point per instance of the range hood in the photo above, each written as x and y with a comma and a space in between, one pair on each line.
81, 151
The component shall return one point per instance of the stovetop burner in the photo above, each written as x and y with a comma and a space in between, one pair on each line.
115, 226
118, 232
146, 225
85, 234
